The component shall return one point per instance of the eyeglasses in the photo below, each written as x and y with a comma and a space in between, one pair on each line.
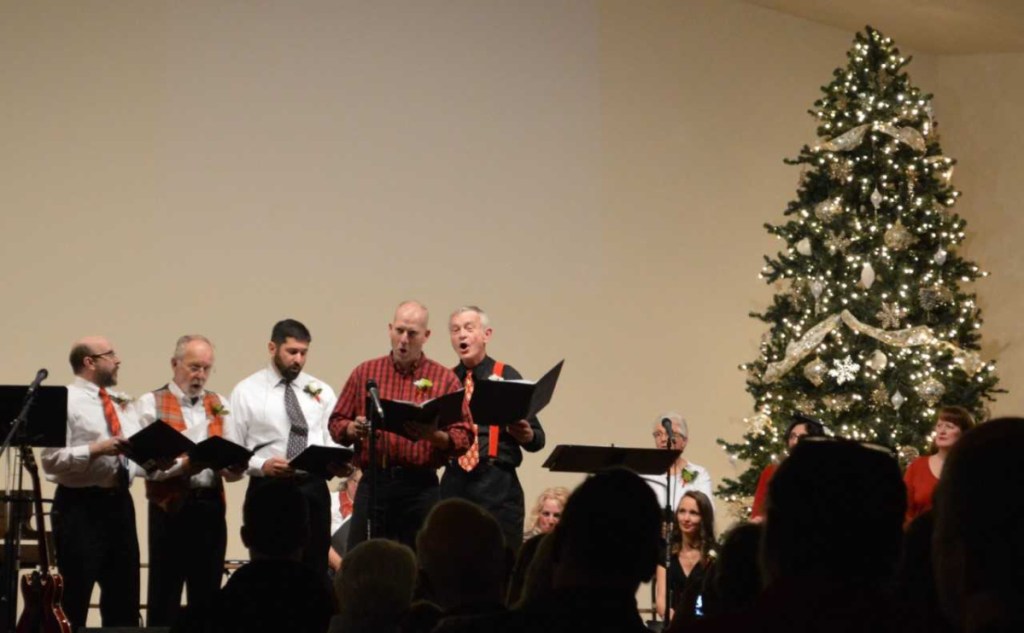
107, 354
660, 435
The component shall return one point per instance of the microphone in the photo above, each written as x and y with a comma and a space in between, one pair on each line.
40, 377
371, 389
666, 423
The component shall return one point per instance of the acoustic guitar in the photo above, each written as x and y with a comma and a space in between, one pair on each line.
41, 590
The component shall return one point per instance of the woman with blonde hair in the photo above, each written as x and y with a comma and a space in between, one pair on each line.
547, 512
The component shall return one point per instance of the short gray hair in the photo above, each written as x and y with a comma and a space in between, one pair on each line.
179, 347
484, 319
676, 418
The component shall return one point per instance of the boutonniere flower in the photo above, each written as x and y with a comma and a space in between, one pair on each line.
313, 390
219, 410
122, 399
688, 475
423, 384
495, 377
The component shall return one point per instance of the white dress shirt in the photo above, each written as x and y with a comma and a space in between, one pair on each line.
72, 465
700, 483
196, 429
258, 414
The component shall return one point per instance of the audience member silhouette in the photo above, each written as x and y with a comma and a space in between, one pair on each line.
735, 580
914, 587
978, 545
524, 566
539, 581
374, 587
461, 554
606, 545
275, 592
831, 539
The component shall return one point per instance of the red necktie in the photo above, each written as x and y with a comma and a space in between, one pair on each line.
470, 460
110, 413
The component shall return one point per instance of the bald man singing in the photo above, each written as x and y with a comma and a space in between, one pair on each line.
406, 472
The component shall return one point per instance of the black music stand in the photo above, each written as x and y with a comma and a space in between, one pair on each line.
47, 423
573, 458
43, 424
591, 459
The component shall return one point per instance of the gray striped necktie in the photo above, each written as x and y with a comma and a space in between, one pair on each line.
299, 429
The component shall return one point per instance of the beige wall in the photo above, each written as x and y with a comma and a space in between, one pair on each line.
595, 174
979, 100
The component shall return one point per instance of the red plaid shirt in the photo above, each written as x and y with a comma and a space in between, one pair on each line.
392, 449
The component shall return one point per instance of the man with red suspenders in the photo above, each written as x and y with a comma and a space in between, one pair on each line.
486, 474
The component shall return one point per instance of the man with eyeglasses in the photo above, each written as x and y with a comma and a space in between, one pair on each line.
187, 530
93, 514
685, 475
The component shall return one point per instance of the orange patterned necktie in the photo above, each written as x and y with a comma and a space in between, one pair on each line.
472, 457
110, 413
114, 424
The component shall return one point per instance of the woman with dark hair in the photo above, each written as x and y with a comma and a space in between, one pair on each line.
692, 548
923, 473
800, 426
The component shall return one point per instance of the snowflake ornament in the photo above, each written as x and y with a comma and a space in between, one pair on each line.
844, 370
891, 315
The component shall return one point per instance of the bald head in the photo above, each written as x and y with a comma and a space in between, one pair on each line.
408, 332
461, 551
93, 358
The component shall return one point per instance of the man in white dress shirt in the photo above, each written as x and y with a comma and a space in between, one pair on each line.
287, 409
187, 530
93, 514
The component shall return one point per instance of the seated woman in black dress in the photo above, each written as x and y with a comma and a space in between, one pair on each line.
692, 554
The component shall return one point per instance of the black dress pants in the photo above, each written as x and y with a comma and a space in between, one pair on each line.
404, 498
94, 530
186, 550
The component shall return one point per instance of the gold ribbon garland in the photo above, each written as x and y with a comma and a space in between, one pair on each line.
854, 137
915, 336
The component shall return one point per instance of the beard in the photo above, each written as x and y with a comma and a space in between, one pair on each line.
288, 372
106, 377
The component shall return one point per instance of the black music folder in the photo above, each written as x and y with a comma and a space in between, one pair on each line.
570, 458
502, 402
160, 440
445, 410
317, 460
216, 452
156, 442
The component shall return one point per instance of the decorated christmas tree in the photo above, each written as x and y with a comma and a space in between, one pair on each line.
871, 328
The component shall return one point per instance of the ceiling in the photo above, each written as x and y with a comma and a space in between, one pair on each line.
945, 27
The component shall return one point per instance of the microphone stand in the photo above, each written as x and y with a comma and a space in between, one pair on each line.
669, 524
375, 420
12, 545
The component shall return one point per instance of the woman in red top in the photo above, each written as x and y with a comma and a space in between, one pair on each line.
800, 426
923, 473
